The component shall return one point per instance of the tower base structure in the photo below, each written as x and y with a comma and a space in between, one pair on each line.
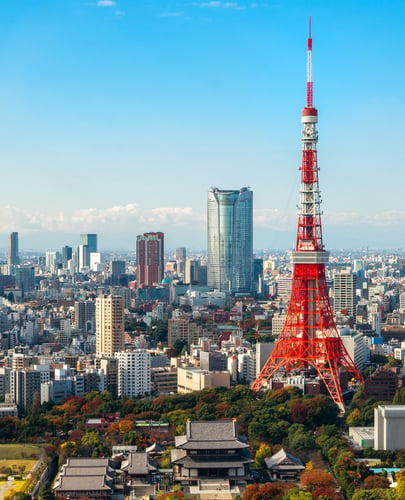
309, 336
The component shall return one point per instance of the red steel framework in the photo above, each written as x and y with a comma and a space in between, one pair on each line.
309, 336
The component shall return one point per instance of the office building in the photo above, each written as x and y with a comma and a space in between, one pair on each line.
13, 257
110, 323
84, 258
344, 286
95, 262
180, 257
89, 240
195, 379
355, 346
389, 424
110, 368
66, 255
85, 312
149, 259
381, 385
117, 269
230, 240
24, 385
134, 373
25, 278
184, 329
51, 260
191, 273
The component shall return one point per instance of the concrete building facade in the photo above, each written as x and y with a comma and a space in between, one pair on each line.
389, 425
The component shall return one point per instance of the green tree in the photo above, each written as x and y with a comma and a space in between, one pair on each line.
354, 418
45, 492
376, 494
297, 494
263, 452
179, 345
91, 439
165, 459
399, 398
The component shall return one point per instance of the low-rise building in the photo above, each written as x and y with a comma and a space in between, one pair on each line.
195, 379
283, 466
363, 437
164, 380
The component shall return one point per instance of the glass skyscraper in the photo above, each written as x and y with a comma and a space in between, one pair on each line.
230, 240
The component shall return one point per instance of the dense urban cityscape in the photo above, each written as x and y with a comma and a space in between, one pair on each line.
83, 331
226, 373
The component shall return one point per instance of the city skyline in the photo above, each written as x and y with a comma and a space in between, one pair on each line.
102, 97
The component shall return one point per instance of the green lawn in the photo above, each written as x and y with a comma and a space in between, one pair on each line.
19, 451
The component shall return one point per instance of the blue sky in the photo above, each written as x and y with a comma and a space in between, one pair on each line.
118, 116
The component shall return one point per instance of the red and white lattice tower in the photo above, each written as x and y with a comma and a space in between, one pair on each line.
309, 336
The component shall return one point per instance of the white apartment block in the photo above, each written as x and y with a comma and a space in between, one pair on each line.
355, 345
344, 287
134, 373
247, 366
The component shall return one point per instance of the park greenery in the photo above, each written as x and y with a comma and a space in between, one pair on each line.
269, 420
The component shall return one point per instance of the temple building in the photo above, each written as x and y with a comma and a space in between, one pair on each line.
211, 452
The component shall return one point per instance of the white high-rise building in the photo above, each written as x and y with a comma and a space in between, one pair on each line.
344, 286
110, 325
355, 345
134, 373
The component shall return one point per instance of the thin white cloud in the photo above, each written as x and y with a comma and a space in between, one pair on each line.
125, 218
218, 5
119, 13
106, 3
111, 219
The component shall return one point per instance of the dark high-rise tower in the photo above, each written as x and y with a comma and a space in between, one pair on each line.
66, 255
149, 259
89, 240
309, 335
13, 258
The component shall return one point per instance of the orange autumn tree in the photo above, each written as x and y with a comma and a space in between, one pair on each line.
316, 478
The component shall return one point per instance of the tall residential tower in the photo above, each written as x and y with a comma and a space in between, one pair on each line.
230, 240
149, 259
110, 324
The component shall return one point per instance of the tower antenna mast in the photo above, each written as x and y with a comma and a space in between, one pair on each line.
309, 69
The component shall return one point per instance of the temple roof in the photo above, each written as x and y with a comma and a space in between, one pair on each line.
138, 464
210, 435
82, 483
283, 460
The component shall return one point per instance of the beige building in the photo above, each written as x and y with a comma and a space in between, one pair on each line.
195, 379
110, 323
184, 329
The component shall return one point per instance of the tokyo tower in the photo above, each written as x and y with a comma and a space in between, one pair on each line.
309, 336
